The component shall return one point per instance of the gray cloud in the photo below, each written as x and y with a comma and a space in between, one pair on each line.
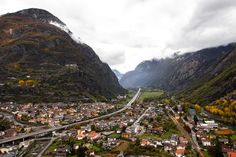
210, 13
114, 58
210, 25
125, 32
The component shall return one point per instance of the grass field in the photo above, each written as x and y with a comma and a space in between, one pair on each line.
206, 154
123, 146
114, 152
164, 135
149, 136
170, 132
150, 95
233, 137
114, 135
54, 145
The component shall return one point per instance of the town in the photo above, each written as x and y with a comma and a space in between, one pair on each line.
151, 128
120, 78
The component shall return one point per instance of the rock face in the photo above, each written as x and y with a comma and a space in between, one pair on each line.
118, 74
36, 45
204, 74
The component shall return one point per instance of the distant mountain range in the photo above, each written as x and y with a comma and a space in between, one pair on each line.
118, 74
200, 76
35, 46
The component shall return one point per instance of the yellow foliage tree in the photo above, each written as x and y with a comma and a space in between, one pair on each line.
233, 103
207, 107
226, 109
30, 83
197, 108
14, 66
224, 103
21, 83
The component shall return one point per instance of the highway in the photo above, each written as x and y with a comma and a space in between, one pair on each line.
69, 125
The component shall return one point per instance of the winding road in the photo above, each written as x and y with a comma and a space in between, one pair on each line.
12, 118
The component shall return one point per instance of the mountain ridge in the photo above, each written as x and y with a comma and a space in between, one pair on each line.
180, 73
65, 70
118, 74
37, 14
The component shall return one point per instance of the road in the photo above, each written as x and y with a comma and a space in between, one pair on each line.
192, 132
137, 121
69, 125
49, 144
12, 118
194, 138
185, 133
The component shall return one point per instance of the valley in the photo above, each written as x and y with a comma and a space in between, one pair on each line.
58, 98
200, 77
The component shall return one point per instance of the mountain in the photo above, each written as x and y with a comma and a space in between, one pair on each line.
118, 74
199, 76
40, 60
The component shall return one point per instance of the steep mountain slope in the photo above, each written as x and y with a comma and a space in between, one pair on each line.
188, 73
118, 74
217, 82
36, 46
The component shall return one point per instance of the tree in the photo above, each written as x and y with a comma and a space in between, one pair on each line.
137, 142
81, 152
187, 128
218, 148
195, 119
233, 103
167, 101
30, 83
71, 142
21, 83
197, 108
77, 127
226, 109
25, 117
5, 124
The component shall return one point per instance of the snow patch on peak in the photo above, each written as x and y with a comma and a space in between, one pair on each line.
62, 27
67, 30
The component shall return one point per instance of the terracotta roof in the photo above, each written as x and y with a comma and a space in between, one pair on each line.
231, 153
179, 151
92, 134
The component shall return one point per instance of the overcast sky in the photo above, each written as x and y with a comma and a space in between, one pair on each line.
125, 32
